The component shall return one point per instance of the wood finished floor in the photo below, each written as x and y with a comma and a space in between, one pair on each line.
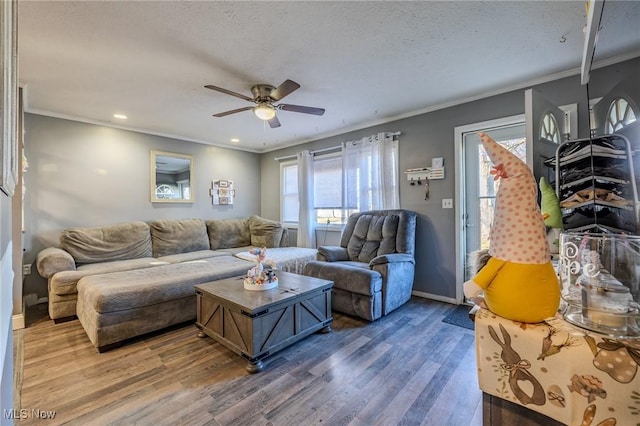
408, 368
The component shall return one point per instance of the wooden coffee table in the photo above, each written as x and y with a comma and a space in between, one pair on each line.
256, 324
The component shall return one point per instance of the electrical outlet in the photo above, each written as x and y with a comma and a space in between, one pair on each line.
447, 203
26, 269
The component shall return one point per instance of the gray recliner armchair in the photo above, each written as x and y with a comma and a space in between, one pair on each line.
373, 268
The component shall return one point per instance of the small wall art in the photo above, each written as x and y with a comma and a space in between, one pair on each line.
222, 192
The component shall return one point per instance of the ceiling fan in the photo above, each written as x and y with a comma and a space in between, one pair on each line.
264, 96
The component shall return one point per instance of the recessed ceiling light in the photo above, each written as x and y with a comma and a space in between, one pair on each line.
235, 140
120, 116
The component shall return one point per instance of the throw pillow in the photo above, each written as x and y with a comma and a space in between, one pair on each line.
265, 232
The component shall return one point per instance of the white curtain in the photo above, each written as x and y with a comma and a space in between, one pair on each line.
306, 215
370, 174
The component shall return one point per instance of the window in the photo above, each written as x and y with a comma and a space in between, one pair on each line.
184, 188
289, 203
327, 189
164, 191
371, 184
620, 114
549, 128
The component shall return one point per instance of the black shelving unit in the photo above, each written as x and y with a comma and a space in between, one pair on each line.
596, 185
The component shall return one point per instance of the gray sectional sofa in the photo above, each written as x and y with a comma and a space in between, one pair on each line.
133, 278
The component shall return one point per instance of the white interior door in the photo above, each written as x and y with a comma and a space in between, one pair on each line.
480, 185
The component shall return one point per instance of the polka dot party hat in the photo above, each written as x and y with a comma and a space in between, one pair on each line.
518, 232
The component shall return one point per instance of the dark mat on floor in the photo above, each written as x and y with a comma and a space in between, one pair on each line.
459, 316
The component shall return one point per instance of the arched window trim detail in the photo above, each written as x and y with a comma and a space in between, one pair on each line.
549, 128
619, 115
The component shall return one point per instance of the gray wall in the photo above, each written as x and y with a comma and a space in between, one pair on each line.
432, 135
86, 175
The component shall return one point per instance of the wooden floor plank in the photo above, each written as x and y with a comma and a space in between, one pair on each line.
421, 408
405, 368
464, 376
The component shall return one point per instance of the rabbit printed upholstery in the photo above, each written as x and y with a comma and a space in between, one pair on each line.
518, 281
531, 391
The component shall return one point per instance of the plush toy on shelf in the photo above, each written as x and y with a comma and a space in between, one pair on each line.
518, 281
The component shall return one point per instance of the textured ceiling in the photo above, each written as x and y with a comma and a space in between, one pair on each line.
364, 62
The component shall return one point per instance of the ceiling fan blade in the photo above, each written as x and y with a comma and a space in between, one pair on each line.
302, 109
274, 122
233, 111
229, 92
283, 90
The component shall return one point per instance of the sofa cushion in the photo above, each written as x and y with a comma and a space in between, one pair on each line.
123, 291
178, 236
265, 232
228, 233
235, 250
192, 255
120, 265
107, 243
65, 282
373, 235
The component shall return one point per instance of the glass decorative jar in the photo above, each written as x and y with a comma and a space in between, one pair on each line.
600, 278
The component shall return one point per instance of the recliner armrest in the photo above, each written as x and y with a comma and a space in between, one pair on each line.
392, 258
332, 253
52, 260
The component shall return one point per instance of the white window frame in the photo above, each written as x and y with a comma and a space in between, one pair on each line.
621, 121
318, 223
291, 224
283, 166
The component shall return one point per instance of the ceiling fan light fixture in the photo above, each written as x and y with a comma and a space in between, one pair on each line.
264, 111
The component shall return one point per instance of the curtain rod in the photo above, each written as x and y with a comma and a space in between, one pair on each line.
318, 151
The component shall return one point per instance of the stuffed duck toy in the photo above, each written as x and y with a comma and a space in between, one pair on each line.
518, 281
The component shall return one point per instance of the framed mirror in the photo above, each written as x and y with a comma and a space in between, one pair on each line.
171, 177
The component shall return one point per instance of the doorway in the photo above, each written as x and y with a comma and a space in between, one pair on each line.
476, 188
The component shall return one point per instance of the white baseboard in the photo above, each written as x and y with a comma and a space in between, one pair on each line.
18, 321
434, 297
